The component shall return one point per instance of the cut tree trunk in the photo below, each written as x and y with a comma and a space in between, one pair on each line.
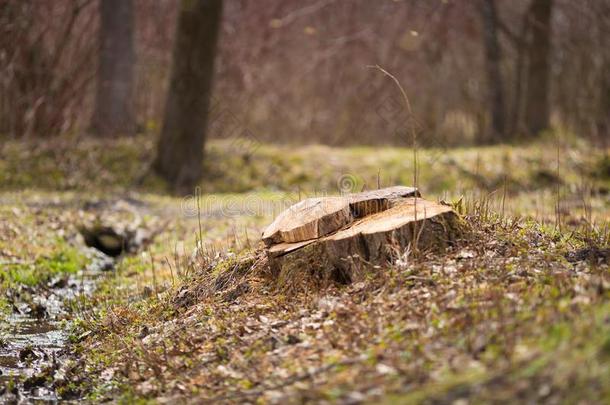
316, 217
337, 237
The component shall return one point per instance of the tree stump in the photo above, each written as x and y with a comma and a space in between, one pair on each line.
336, 237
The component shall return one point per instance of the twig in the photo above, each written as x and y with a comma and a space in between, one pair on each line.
290, 17
154, 274
171, 270
413, 136
198, 196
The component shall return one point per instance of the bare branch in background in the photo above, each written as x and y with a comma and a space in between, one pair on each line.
300, 13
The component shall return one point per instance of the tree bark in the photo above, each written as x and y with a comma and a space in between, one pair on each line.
516, 114
495, 84
114, 109
537, 110
180, 149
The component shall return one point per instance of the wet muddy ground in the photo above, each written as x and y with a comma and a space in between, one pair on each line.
34, 338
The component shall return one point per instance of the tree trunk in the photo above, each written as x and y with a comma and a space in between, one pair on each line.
114, 110
180, 149
493, 56
602, 120
336, 238
516, 114
537, 110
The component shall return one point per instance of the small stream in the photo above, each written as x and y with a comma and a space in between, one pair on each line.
34, 338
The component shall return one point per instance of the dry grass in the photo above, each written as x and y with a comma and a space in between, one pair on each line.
460, 325
519, 309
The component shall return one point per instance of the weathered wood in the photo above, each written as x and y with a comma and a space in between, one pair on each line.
316, 217
380, 226
309, 219
371, 202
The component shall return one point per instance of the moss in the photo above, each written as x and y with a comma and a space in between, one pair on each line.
66, 260
5, 310
601, 168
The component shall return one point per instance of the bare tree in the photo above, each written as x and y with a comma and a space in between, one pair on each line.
114, 105
180, 149
272, 51
45, 65
537, 110
493, 56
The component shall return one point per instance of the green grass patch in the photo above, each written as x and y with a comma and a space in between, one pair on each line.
65, 260
122, 164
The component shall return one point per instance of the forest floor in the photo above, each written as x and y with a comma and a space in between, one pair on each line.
518, 309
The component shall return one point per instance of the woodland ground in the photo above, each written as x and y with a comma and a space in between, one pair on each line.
518, 309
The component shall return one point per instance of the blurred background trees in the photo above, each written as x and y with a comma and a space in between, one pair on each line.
493, 66
538, 25
114, 104
47, 53
296, 70
180, 150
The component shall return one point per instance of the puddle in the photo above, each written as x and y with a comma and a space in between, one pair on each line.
34, 337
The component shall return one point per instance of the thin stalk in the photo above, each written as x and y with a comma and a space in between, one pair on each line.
413, 137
